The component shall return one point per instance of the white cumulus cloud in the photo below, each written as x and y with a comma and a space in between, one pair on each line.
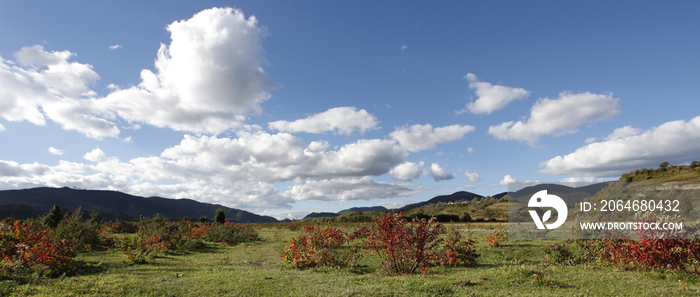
473, 176
423, 137
96, 155
407, 171
559, 116
438, 173
55, 151
676, 142
206, 80
623, 132
10, 168
507, 179
340, 120
45, 85
209, 75
491, 98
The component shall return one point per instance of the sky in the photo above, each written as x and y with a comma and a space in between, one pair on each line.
283, 108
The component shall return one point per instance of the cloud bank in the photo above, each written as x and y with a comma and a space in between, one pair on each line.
559, 116
627, 148
423, 137
339, 120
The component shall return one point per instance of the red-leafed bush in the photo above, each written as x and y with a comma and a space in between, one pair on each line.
457, 252
405, 247
156, 236
27, 249
666, 249
320, 247
495, 238
140, 249
361, 233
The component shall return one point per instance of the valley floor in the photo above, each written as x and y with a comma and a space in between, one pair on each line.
255, 269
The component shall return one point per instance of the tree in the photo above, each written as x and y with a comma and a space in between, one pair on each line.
204, 219
51, 220
220, 216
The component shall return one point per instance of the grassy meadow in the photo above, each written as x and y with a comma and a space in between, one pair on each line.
256, 269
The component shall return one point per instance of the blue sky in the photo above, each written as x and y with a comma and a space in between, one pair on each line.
284, 108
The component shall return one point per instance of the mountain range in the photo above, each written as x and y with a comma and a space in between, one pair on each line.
112, 204
122, 205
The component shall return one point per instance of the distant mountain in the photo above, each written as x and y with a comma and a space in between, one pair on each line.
316, 215
456, 196
563, 191
359, 209
42, 199
500, 195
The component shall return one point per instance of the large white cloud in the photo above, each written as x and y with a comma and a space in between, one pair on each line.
559, 116
340, 120
10, 168
47, 85
344, 189
423, 137
209, 75
282, 157
491, 98
407, 171
206, 80
438, 173
676, 142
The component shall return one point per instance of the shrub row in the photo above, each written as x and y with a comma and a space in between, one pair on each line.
404, 247
29, 249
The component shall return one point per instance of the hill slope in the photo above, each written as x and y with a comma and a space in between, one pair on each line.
42, 199
456, 196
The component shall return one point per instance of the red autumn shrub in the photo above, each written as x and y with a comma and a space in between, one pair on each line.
457, 252
495, 238
404, 247
668, 249
363, 232
140, 249
319, 247
26, 248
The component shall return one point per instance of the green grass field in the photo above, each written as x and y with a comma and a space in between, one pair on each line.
255, 269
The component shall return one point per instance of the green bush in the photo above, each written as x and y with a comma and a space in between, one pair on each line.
51, 220
220, 216
231, 233
85, 234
